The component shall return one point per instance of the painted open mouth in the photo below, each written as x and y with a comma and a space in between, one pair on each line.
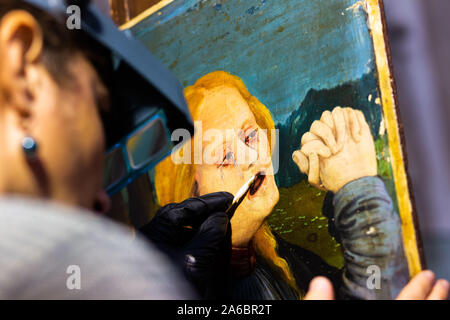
260, 176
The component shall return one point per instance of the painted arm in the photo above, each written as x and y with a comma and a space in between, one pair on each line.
371, 237
338, 155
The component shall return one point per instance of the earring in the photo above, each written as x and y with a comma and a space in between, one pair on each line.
30, 147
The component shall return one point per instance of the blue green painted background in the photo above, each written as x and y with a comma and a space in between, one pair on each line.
299, 58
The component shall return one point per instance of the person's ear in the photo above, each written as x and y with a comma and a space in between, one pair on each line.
21, 44
102, 203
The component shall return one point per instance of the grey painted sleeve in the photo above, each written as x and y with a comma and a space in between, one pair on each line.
371, 237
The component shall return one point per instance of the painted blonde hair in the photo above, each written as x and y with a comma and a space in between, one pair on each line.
176, 182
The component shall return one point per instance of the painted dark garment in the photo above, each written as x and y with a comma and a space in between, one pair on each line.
299, 58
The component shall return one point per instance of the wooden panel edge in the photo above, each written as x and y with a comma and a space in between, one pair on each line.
402, 185
145, 14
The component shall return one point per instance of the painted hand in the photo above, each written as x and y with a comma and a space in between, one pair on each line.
338, 149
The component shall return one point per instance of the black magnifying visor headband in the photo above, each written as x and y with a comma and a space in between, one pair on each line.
142, 86
147, 101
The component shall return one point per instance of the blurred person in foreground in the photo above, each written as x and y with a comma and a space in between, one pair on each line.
60, 108
67, 96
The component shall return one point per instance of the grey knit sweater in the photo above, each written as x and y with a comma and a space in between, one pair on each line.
49, 251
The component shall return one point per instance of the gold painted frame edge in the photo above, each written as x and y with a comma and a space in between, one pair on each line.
411, 236
145, 14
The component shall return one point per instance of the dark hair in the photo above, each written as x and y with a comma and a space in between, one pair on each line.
62, 44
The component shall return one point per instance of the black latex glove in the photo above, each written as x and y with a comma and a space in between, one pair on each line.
196, 234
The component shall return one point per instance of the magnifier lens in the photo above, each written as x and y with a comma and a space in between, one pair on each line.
115, 168
147, 143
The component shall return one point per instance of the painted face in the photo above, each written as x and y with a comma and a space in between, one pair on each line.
237, 150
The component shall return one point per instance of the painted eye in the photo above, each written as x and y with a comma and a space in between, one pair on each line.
251, 138
228, 160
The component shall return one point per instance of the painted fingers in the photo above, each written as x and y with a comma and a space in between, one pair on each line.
328, 137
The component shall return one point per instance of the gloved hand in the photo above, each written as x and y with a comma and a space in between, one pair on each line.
196, 234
